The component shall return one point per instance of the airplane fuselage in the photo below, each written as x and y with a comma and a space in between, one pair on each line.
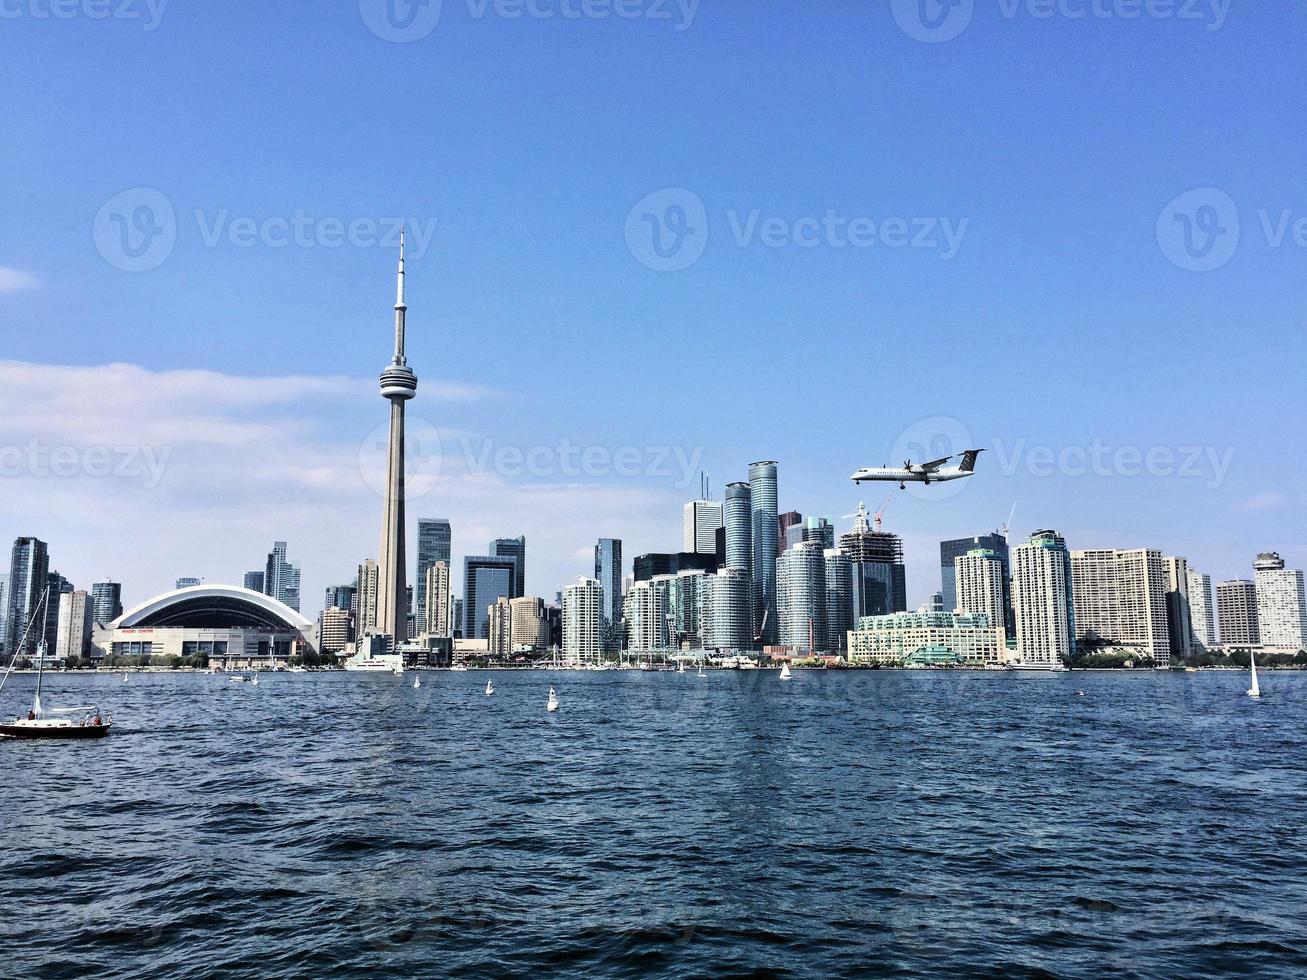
895, 474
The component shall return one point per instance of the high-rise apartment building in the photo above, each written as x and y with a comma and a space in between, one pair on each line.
1120, 600
1281, 604
839, 599
1179, 627
817, 529
1042, 597
499, 626
644, 610
950, 551
281, 579
435, 585
879, 577
334, 632
485, 579
530, 623
76, 613
608, 573
700, 520
1202, 609
107, 598
738, 518
254, 581
727, 604
801, 597
784, 522
981, 585
1236, 613
4, 610
763, 496
514, 548
365, 599
581, 621
647, 566
435, 541
29, 573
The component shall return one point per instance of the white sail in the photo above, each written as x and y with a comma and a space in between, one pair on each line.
553, 701
490, 688
417, 682
785, 672
1254, 691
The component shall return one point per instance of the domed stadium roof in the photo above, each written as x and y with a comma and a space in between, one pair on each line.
213, 607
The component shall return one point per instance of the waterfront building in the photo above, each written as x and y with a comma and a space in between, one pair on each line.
1236, 613
739, 527
727, 605
791, 518
801, 598
281, 578
937, 602
685, 608
1120, 600
700, 520
398, 385
365, 599
253, 581
980, 585
485, 579
950, 551
839, 599
436, 590
1281, 604
187, 583
1202, 609
435, 540
1179, 627
58, 586
644, 610
530, 623
879, 577
514, 548
499, 620
763, 493
817, 529
455, 614
658, 563
927, 638
29, 573
608, 573
76, 620
107, 598
335, 631
581, 621
233, 628
1043, 602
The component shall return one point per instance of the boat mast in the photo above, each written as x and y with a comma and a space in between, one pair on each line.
13, 661
41, 651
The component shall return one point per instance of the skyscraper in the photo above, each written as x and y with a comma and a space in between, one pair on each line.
727, 610
1236, 613
29, 568
839, 599
784, 522
608, 573
340, 596
980, 585
499, 628
817, 529
436, 587
1120, 599
739, 527
700, 520
58, 586
1202, 609
950, 550
514, 548
485, 579
398, 385
435, 537
1179, 627
4, 610
879, 577
644, 609
254, 581
281, 579
581, 620
334, 632
766, 524
1042, 596
75, 621
801, 597
365, 599
108, 600
1281, 604
530, 623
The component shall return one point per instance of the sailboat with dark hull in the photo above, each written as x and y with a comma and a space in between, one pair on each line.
57, 723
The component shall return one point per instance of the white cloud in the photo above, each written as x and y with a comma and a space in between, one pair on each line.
1266, 500
17, 281
145, 476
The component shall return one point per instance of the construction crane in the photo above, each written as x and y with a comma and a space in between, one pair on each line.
860, 518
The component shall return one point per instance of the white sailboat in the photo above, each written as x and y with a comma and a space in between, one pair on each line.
417, 682
1254, 691
490, 688
680, 668
701, 673
552, 704
124, 678
785, 672
255, 679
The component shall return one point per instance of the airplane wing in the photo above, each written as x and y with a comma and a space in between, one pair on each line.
934, 464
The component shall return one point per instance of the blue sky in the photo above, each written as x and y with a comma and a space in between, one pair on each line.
1055, 148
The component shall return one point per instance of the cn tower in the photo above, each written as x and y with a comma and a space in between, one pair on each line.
398, 385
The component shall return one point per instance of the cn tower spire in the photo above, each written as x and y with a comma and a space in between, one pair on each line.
398, 385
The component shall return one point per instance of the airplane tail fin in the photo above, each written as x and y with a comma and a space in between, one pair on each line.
968, 464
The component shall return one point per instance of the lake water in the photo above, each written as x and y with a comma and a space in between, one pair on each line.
915, 823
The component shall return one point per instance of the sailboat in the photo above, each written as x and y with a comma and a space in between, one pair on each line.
552, 704
255, 679
680, 668
417, 682
490, 688
124, 678
62, 725
785, 672
701, 672
1254, 691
